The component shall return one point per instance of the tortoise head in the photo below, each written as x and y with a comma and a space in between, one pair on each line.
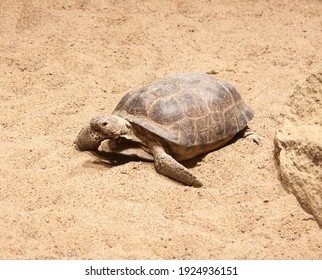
101, 128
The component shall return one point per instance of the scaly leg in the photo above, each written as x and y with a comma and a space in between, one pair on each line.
168, 166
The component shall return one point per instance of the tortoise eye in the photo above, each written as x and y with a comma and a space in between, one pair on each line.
104, 123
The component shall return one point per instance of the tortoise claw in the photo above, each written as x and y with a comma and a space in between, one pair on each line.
251, 136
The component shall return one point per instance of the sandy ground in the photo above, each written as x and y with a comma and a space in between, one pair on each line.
63, 62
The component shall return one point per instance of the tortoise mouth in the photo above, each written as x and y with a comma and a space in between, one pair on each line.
97, 137
88, 140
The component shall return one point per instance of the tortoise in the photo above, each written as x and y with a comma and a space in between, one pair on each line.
170, 121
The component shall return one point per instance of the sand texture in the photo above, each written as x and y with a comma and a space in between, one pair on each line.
63, 62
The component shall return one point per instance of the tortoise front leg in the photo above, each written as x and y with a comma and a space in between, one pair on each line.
168, 166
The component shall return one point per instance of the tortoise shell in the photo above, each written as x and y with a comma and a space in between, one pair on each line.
191, 112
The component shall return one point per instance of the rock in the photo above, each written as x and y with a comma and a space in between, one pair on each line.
298, 146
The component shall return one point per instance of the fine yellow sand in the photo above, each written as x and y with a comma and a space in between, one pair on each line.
63, 62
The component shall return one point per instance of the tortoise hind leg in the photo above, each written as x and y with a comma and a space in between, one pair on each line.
168, 166
252, 136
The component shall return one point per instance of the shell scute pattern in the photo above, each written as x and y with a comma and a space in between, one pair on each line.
217, 130
188, 110
241, 115
192, 104
163, 89
165, 111
230, 90
202, 128
231, 124
187, 131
